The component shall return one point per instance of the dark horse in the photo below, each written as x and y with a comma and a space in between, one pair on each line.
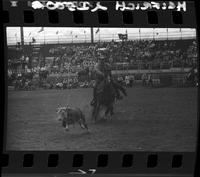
106, 92
105, 96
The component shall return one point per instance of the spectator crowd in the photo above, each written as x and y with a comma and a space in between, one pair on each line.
145, 54
125, 55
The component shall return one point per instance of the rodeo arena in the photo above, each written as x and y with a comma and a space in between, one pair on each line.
107, 89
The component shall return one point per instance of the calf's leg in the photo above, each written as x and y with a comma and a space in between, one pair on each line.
81, 125
67, 127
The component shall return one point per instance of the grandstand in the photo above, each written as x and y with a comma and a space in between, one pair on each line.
175, 55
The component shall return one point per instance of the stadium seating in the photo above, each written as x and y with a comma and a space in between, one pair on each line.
139, 55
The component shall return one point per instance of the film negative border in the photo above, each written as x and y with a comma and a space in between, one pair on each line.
25, 15
69, 162
99, 162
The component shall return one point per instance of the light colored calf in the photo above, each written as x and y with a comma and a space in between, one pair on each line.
71, 116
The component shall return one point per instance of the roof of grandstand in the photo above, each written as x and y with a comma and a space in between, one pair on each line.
49, 35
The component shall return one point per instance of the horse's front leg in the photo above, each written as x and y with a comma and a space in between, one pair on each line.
111, 110
93, 112
96, 112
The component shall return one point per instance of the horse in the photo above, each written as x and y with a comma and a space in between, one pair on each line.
105, 94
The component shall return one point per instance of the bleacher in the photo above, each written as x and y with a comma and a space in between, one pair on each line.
172, 59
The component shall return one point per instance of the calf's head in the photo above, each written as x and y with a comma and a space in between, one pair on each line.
61, 112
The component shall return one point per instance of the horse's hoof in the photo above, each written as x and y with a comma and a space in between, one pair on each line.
67, 130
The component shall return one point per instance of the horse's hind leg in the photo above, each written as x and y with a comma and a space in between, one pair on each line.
110, 107
93, 112
107, 111
111, 110
96, 112
85, 125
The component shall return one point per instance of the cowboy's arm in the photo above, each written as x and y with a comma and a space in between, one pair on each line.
97, 70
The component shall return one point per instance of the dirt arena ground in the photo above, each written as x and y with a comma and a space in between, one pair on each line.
148, 119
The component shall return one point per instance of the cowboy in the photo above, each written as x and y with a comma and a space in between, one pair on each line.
102, 69
103, 72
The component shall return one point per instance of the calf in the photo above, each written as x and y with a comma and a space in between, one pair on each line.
71, 116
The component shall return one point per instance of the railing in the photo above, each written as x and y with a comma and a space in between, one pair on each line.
114, 68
